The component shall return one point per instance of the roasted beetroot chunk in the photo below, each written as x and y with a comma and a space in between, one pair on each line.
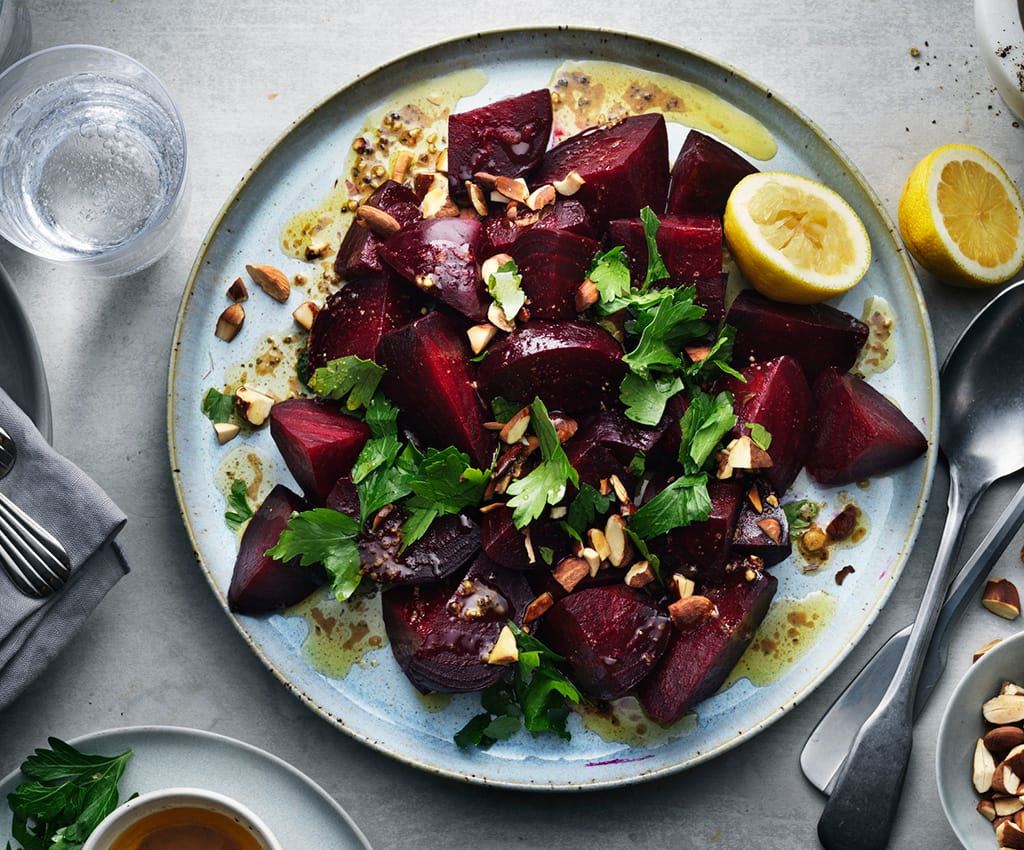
691, 246
572, 366
505, 544
355, 318
858, 432
762, 533
553, 264
711, 296
449, 544
358, 255
625, 166
606, 443
441, 633
777, 397
439, 256
318, 443
696, 663
611, 636
506, 138
428, 376
667, 448
704, 175
567, 214
260, 584
818, 336
700, 550
499, 232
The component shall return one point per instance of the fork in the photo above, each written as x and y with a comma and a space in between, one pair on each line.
32, 557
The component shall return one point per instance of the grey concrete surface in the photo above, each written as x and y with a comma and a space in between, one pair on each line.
158, 650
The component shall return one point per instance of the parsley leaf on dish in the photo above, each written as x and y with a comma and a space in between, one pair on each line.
543, 692
503, 409
645, 398
443, 483
323, 536
682, 502
656, 269
545, 485
382, 417
218, 406
505, 287
350, 377
65, 796
706, 421
717, 358
239, 510
800, 514
588, 505
387, 483
760, 435
609, 272
663, 327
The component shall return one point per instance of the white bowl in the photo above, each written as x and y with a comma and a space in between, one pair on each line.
962, 725
174, 798
998, 26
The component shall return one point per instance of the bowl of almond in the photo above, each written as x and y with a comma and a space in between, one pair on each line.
980, 755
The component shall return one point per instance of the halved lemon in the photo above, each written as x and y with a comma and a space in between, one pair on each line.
795, 240
961, 217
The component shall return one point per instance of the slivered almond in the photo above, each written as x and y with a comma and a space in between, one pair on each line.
639, 575
441, 163
586, 295
772, 528
484, 178
480, 336
618, 542
541, 197
538, 608
271, 280
305, 314
512, 188
754, 497
496, 316
682, 585
599, 543
620, 489
476, 197
230, 322
570, 571
515, 428
378, 222
570, 184
400, 169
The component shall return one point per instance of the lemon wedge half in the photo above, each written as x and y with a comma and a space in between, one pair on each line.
961, 218
794, 239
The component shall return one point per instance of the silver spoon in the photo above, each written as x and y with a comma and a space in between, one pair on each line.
982, 405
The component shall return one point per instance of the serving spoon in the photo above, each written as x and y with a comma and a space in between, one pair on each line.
980, 436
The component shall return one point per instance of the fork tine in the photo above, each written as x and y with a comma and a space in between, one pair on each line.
44, 543
23, 577
31, 563
43, 562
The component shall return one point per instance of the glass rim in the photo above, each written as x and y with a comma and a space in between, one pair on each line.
169, 208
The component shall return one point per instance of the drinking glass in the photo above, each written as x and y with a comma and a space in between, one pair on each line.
15, 31
93, 160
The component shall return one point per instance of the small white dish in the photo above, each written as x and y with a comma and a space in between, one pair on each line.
962, 725
999, 29
124, 816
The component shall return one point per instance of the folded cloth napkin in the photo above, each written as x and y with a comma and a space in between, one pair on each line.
71, 506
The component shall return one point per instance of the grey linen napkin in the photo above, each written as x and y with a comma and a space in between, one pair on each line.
69, 504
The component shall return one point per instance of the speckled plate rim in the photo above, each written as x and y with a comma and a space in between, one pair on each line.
921, 320
36, 403
155, 729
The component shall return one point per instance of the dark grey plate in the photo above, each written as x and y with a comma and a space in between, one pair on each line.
21, 367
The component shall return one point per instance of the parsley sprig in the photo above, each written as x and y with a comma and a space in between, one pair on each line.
348, 377
505, 287
546, 484
239, 510
327, 537
537, 698
218, 406
66, 795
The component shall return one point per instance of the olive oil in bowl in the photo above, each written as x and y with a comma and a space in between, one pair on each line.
186, 828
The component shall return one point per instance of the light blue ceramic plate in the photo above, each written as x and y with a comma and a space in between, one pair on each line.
375, 703
962, 725
297, 810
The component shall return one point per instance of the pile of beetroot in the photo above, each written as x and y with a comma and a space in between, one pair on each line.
409, 298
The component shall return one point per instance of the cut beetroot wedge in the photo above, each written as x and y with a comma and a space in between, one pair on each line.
441, 633
318, 442
355, 318
858, 432
606, 443
569, 215
429, 378
818, 336
260, 584
711, 296
553, 264
701, 550
506, 138
449, 544
775, 396
611, 637
704, 175
358, 255
499, 233
691, 246
505, 544
439, 256
572, 366
625, 166
697, 663
762, 530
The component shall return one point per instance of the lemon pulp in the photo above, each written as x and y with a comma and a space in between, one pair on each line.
978, 213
